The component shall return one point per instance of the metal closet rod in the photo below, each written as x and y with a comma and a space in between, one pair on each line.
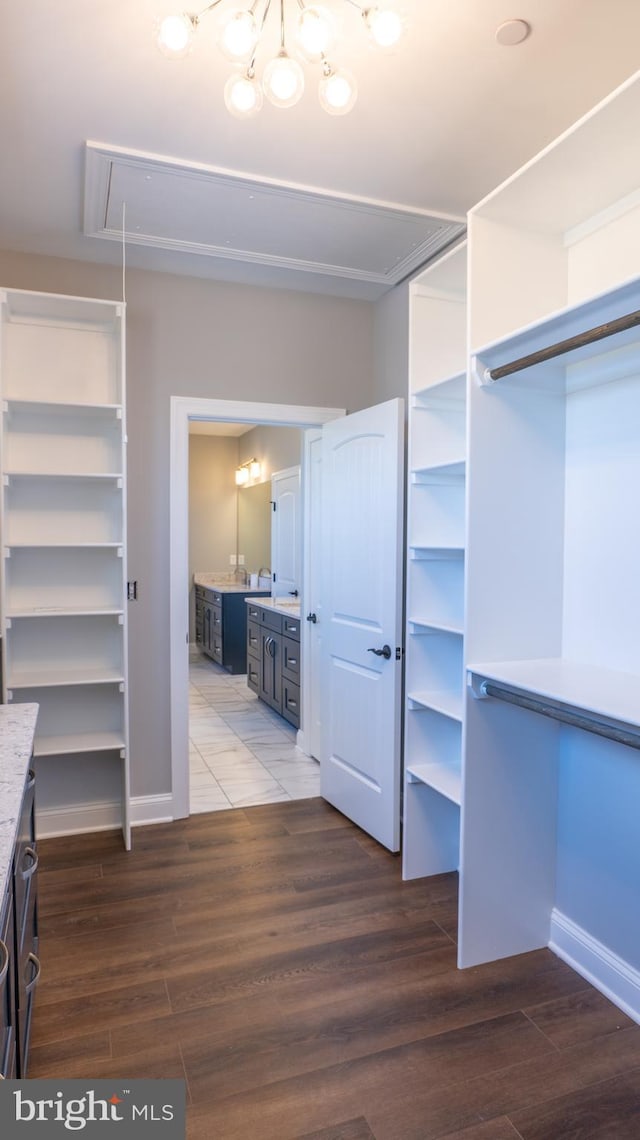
610, 328
556, 712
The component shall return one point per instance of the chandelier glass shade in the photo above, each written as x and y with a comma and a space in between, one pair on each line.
308, 32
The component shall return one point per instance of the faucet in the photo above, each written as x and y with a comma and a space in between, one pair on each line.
240, 575
264, 572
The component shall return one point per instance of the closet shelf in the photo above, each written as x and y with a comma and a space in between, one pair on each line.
55, 678
444, 701
435, 553
63, 611
574, 321
450, 390
453, 469
422, 626
103, 476
599, 692
79, 742
441, 777
54, 407
73, 545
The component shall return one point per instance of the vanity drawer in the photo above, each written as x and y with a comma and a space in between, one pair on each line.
291, 627
253, 638
291, 702
291, 659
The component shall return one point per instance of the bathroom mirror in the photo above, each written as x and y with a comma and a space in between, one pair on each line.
254, 525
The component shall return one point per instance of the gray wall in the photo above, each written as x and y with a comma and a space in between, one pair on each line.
201, 339
391, 345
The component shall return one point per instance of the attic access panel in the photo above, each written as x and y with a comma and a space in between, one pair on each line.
224, 214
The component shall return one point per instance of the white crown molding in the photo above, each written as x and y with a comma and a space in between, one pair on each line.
102, 160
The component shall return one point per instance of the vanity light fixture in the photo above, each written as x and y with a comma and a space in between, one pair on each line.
316, 33
249, 470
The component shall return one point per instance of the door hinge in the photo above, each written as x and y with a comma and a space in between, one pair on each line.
273, 504
399, 653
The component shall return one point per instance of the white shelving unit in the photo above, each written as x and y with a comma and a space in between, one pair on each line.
550, 853
63, 526
435, 568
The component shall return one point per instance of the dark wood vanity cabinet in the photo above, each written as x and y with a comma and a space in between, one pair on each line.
25, 878
19, 963
221, 626
7, 987
273, 659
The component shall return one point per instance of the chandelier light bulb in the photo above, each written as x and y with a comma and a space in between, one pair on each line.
315, 33
338, 92
175, 36
242, 96
384, 24
239, 35
283, 81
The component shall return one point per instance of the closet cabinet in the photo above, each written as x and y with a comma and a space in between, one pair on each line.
63, 534
550, 853
435, 568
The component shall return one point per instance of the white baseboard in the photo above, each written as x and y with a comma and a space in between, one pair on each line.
610, 974
151, 809
102, 816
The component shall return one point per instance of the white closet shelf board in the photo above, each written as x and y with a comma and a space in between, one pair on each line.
584, 187
75, 476
442, 701
60, 407
573, 320
54, 308
450, 390
64, 611
61, 678
453, 471
79, 742
602, 692
423, 626
441, 777
61, 546
436, 553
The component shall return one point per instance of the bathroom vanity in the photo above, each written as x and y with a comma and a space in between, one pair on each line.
273, 655
221, 620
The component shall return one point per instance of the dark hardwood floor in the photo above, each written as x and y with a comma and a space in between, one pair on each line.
274, 958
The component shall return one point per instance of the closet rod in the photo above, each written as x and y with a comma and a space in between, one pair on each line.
556, 712
610, 328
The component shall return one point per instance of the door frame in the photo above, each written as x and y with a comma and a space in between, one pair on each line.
182, 410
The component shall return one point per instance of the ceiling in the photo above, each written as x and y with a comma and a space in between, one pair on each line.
341, 204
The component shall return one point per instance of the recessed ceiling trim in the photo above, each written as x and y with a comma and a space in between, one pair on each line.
316, 213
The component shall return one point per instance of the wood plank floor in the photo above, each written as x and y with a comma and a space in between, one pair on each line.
273, 957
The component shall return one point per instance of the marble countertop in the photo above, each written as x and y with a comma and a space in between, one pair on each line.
226, 585
282, 606
17, 726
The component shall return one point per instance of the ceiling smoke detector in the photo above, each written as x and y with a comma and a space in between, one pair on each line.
512, 32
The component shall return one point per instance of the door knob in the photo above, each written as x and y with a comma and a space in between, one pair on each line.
384, 652
312, 617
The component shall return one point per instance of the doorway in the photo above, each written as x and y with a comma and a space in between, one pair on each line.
184, 410
244, 533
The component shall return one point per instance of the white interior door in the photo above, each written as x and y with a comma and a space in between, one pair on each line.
362, 527
286, 538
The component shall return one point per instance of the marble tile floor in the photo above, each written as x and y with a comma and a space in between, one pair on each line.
240, 751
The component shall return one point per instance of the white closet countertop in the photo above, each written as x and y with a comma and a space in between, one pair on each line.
17, 728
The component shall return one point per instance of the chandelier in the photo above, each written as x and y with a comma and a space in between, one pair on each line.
315, 34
